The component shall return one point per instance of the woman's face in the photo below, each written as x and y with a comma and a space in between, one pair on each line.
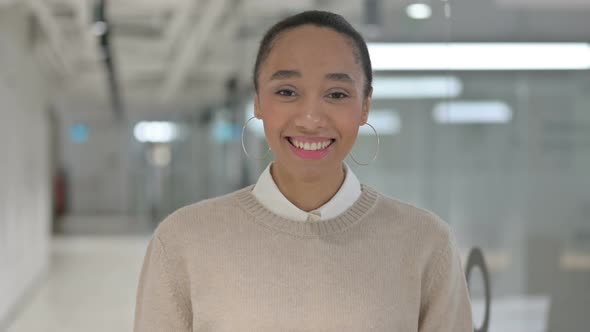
310, 98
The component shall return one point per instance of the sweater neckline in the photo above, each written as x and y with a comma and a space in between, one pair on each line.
338, 224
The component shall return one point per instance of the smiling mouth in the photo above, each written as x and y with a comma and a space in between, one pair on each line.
311, 146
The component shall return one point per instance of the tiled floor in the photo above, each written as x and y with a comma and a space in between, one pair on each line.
90, 286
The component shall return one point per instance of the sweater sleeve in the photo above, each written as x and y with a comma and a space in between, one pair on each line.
445, 303
163, 299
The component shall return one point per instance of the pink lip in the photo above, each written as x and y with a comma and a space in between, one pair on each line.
310, 155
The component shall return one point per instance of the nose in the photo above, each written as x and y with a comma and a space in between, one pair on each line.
310, 116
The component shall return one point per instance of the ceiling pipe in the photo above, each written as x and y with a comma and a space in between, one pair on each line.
105, 45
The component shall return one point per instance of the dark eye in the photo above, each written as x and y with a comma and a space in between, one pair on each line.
337, 95
286, 93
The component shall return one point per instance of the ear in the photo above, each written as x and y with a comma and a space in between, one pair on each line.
257, 112
366, 107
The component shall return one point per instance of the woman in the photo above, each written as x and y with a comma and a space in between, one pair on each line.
307, 248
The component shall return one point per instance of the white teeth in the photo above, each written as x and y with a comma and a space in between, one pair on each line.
311, 146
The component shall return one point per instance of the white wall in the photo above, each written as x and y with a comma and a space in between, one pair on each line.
25, 202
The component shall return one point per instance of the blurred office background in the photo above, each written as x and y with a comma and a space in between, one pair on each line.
115, 113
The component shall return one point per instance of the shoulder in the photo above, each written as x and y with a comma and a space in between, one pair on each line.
200, 215
415, 223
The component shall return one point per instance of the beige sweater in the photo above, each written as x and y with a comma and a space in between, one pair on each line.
228, 264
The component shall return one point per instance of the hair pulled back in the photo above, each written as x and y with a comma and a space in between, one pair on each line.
321, 19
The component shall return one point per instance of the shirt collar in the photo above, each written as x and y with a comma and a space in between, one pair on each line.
269, 195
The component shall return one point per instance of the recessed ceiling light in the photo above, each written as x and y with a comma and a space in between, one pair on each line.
155, 132
416, 87
466, 112
99, 28
419, 11
480, 56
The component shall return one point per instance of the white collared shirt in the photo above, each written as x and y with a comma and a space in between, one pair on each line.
269, 195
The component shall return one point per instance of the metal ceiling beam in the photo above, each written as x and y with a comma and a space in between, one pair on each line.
193, 47
222, 62
146, 6
100, 15
83, 20
52, 31
228, 35
179, 23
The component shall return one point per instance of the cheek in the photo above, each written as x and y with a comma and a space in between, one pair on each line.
277, 115
272, 120
351, 134
274, 124
349, 124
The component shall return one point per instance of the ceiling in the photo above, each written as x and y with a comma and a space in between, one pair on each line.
179, 54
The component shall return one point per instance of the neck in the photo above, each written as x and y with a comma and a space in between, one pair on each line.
307, 193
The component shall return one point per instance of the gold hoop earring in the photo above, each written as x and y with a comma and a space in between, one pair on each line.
244, 146
376, 150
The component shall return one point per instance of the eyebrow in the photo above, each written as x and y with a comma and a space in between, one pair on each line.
339, 77
286, 74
